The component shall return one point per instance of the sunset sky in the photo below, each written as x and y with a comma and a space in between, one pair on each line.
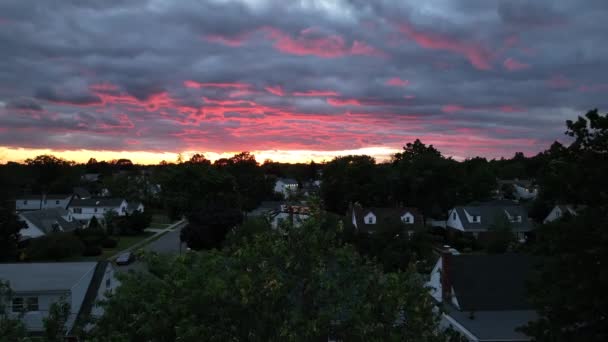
295, 80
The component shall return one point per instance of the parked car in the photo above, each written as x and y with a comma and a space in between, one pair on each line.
125, 258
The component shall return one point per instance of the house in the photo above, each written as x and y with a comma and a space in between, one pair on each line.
520, 189
36, 286
84, 209
483, 297
82, 193
370, 220
294, 214
135, 206
479, 218
91, 177
560, 211
45, 221
266, 207
44, 201
285, 186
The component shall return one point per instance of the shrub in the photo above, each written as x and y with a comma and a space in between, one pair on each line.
109, 243
55, 246
92, 251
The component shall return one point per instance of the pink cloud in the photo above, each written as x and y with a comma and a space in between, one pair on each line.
276, 90
315, 93
343, 102
225, 40
477, 55
236, 85
452, 108
512, 41
593, 88
559, 82
397, 82
512, 64
409, 97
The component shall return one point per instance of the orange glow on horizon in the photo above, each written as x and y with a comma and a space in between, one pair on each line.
150, 158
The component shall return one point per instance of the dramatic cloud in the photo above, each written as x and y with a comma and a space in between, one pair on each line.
296, 80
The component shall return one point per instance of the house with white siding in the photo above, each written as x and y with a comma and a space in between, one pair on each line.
370, 220
46, 221
561, 210
479, 218
36, 286
43, 201
286, 186
523, 189
85, 209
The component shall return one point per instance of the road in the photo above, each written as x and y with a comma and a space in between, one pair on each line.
168, 243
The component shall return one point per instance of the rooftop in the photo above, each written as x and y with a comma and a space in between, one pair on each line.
96, 202
37, 277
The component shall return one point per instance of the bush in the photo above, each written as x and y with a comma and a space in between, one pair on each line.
109, 243
92, 251
55, 246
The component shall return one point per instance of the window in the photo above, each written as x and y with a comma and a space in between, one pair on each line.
57, 202
24, 202
77, 210
17, 304
95, 209
44, 202
32, 303
109, 282
476, 218
453, 216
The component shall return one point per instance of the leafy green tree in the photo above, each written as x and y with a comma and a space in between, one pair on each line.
9, 234
54, 246
303, 285
54, 323
499, 236
252, 185
11, 328
568, 290
207, 227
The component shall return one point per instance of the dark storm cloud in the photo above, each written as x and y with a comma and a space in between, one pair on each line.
310, 74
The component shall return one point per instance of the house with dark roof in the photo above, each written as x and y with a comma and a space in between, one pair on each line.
374, 219
561, 210
85, 209
134, 206
286, 186
46, 221
479, 218
36, 286
484, 296
43, 201
82, 193
519, 188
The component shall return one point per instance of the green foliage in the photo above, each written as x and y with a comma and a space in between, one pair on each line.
568, 289
300, 286
11, 328
54, 246
499, 236
251, 226
54, 323
207, 227
9, 234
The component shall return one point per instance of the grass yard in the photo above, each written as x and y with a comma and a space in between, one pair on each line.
124, 242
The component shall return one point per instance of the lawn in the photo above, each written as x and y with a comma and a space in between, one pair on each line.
124, 242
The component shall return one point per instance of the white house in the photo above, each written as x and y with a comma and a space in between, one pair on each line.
45, 221
286, 186
521, 189
560, 211
135, 206
477, 218
36, 286
295, 215
483, 297
86, 209
44, 201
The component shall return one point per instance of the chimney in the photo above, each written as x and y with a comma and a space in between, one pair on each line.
446, 284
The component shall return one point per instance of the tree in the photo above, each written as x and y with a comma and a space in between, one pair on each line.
138, 221
11, 328
54, 323
300, 286
567, 290
54, 246
500, 235
207, 227
199, 159
9, 234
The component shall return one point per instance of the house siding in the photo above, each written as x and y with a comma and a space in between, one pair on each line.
454, 223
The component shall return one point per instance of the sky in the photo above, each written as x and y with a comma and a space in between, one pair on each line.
295, 80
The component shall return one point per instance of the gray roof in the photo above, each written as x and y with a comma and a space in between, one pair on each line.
44, 196
490, 213
288, 180
132, 206
37, 277
96, 202
45, 219
82, 192
266, 207
494, 325
385, 217
524, 183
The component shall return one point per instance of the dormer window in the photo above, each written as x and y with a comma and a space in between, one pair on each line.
454, 216
24, 202
476, 218
370, 218
407, 218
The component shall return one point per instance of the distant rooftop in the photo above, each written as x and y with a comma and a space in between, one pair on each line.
35, 277
96, 202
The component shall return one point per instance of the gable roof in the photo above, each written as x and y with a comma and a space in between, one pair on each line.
96, 202
489, 282
288, 180
82, 192
45, 219
385, 216
132, 206
490, 212
51, 276
41, 197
